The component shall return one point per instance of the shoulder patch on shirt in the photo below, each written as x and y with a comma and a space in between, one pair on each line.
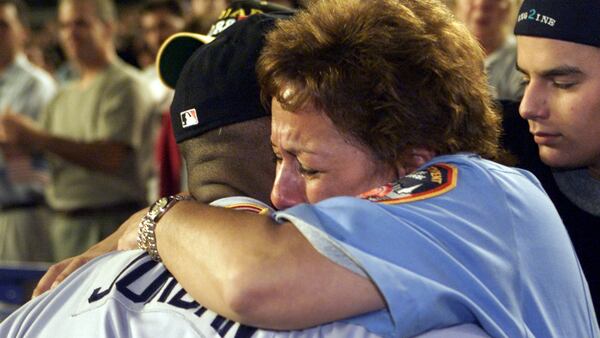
419, 185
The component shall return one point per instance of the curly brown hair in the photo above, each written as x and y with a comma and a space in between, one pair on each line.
390, 74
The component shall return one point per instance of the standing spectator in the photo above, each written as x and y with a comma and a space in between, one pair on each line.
490, 22
24, 89
90, 132
559, 53
160, 19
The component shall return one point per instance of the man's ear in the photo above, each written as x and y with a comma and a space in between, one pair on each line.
413, 159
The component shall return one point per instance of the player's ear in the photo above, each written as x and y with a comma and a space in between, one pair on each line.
414, 158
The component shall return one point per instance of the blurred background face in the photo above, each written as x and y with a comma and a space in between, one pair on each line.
484, 18
209, 9
157, 26
82, 34
12, 33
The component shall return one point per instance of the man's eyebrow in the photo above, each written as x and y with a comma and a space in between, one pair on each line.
557, 71
561, 71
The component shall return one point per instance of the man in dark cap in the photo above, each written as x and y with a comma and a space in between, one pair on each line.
559, 55
211, 162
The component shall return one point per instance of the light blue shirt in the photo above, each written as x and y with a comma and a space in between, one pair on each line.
462, 240
24, 89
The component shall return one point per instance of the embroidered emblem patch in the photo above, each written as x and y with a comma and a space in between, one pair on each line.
419, 185
188, 118
250, 208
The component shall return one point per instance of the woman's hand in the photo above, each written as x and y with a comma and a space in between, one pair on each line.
61, 270
125, 238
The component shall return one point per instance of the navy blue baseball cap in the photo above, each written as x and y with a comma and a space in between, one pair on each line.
567, 20
215, 77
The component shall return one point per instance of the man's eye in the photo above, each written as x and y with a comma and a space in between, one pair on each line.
309, 173
563, 85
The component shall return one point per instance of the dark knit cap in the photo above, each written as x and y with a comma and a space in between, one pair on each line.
575, 21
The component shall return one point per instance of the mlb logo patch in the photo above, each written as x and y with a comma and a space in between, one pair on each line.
188, 118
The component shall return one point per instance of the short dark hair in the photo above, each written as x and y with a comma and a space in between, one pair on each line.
172, 6
22, 10
390, 74
237, 156
106, 10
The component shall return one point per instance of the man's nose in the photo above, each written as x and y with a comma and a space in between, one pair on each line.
534, 103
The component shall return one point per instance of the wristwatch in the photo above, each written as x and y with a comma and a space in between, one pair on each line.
146, 229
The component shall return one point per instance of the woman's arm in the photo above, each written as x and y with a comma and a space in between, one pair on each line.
253, 270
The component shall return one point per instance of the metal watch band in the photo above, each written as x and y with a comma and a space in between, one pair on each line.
146, 239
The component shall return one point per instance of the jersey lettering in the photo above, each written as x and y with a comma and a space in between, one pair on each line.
123, 284
167, 291
140, 287
97, 294
178, 301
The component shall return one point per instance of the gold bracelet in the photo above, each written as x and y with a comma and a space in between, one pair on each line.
146, 239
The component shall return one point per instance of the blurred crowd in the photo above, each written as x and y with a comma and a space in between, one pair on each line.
84, 117
43, 47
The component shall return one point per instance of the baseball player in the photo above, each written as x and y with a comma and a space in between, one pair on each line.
206, 162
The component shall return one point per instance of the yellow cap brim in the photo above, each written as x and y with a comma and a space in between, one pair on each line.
174, 53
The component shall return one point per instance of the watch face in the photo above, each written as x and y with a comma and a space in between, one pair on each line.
157, 207
161, 203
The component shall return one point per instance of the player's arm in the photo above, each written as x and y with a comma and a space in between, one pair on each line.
253, 270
